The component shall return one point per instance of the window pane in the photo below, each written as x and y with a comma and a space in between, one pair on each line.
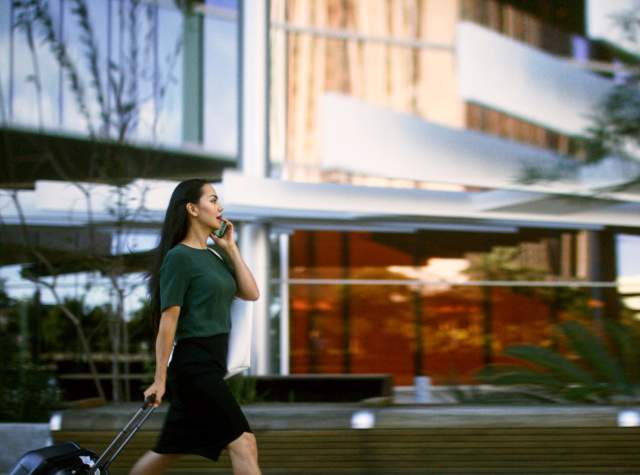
92, 83
169, 116
5, 40
32, 66
220, 84
448, 327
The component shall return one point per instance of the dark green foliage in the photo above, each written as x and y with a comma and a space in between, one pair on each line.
243, 388
28, 392
616, 125
601, 367
615, 129
615, 119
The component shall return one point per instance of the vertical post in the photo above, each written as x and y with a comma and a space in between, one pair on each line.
487, 316
25, 340
61, 71
590, 267
418, 369
284, 303
254, 247
422, 383
346, 306
312, 331
608, 273
487, 324
12, 22
24, 352
193, 79
253, 156
35, 329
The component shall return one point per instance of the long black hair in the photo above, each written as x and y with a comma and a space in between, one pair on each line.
174, 229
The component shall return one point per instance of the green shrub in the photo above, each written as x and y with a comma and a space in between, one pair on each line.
243, 388
28, 394
600, 366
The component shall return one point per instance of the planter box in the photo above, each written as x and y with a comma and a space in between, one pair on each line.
323, 387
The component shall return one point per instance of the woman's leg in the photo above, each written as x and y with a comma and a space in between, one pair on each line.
244, 455
153, 463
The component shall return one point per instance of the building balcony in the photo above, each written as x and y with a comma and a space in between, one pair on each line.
501, 73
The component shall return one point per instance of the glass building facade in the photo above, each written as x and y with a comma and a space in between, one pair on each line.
397, 294
444, 301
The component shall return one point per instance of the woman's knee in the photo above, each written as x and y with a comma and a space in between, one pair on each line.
245, 445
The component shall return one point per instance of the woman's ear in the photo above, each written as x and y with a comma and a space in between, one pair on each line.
191, 209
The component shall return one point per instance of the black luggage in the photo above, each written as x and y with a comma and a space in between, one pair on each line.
69, 458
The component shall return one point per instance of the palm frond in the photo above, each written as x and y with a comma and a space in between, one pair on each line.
562, 368
625, 341
592, 350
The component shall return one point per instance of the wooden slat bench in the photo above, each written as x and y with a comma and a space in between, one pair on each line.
459, 450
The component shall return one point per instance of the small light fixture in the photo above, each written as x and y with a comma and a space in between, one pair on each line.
363, 420
55, 423
628, 418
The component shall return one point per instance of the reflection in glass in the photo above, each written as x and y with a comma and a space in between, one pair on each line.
81, 42
5, 52
220, 85
166, 110
466, 299
128, 58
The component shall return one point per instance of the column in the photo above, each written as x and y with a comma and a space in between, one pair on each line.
253, 146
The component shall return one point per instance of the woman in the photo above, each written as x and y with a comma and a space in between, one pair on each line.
191, 293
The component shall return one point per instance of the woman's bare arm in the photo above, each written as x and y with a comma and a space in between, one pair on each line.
164, 345
247, 287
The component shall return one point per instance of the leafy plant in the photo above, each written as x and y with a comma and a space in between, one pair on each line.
601, 367
243, 388
614, 129
616, 124
28, 392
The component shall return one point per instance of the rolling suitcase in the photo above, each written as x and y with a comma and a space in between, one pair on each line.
69, 458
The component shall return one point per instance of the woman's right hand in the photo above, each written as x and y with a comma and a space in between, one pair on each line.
158, 389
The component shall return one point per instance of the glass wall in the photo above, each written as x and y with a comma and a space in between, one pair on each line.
5, 57
628, 264
221, 84
117, 70
442, 304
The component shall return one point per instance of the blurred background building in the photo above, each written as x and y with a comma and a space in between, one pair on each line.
406, 175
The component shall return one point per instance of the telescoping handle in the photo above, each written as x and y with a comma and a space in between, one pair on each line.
122, 439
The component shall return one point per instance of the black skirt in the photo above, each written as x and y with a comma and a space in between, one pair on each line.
203, 416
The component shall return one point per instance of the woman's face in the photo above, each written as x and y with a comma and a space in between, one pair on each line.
209, 210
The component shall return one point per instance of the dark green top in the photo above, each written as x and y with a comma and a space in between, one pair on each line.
202, 285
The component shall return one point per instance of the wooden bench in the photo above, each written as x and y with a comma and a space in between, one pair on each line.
491, 450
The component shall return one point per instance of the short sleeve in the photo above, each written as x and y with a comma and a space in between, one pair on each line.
174, 280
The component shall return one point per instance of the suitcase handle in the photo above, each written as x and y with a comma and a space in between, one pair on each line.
121, 440
149, 400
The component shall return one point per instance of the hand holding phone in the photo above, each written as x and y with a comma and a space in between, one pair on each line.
221, 230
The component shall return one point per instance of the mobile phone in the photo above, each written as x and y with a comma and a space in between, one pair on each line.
220, 231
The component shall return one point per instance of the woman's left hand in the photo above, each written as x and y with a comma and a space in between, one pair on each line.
226, 242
